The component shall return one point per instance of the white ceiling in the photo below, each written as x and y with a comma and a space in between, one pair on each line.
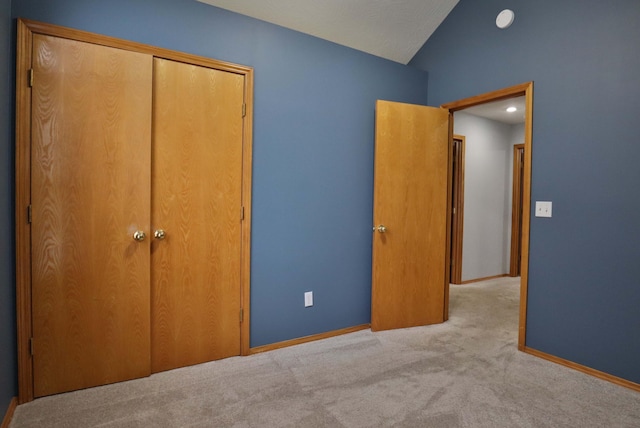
391, 29
498, 110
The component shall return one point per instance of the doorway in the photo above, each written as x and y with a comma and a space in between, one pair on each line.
523, 90
484, 208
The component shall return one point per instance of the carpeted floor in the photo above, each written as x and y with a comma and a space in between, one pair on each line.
466, 372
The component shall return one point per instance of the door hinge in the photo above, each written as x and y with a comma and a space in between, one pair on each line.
241, 315
454, 210
241, 213
244, 109
31, 346
30, 77
29, 213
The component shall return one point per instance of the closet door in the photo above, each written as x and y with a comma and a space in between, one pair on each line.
90, 189
196, 214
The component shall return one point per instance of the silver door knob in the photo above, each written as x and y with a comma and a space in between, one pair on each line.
159, 234
382, 228
139, 235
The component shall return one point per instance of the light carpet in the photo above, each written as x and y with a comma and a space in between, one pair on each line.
466, 372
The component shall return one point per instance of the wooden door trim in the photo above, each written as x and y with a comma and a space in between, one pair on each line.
25, 31
247, 181
458, 221
526, 90
8, 415
516, 212
449, 243
23, 200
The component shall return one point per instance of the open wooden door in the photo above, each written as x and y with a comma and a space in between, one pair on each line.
410, 263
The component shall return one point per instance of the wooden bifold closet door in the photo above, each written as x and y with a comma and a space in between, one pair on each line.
91, 141
196, 202
136, 187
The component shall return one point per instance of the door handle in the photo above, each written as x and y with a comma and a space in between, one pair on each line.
139, 235
159, 234
382, 228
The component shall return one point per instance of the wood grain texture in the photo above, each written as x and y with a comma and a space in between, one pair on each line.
99, 39
516, 209
90, 189
581, 368
247, 186
197, 200
497, 95
526, 216
23, 227
410, 199
486, 278
447, 265
6, 420
26, 30
306, 339
457, 224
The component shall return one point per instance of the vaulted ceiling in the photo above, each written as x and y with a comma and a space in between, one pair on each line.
391, 29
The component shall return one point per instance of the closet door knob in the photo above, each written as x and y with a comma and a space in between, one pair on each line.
382, 228
159, 234
139, 235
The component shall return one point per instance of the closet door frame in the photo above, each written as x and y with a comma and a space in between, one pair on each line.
26, 30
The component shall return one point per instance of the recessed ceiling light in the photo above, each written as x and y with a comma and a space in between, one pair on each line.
511, 109
505, 19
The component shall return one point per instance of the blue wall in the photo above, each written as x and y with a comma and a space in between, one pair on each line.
8, 357
313, 157
313, 149
584, 57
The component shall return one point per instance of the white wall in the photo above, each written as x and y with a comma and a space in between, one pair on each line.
487, 194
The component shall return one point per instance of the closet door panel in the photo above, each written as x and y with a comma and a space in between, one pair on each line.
196, 202
90, 190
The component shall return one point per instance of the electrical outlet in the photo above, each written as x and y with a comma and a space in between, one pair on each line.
308, 299
543, 209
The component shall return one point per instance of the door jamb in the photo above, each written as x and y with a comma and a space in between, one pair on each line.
516, 210
26, 30
526, 90
457, 221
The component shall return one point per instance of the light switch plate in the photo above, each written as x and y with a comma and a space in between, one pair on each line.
308, 299
543, 209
